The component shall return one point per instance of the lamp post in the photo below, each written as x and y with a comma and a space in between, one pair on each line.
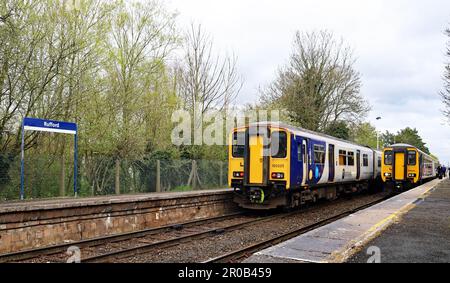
378, 138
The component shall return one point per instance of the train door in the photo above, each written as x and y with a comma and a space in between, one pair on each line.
358, 164
298, 162
256, 159
399, 165
305, 161
331, 162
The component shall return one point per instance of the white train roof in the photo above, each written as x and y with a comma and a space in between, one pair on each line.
312, 134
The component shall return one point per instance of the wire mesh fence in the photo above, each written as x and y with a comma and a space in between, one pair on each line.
47, 176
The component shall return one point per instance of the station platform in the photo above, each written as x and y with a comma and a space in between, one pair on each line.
411, 227
71, 202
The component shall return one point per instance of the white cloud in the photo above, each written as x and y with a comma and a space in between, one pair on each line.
399, 46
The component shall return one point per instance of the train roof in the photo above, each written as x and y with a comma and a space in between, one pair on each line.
293, 128
409, 145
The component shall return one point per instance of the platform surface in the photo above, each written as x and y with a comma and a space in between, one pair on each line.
66, 202
340, 240
422, 235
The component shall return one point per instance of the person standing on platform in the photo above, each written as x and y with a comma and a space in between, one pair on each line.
439, 172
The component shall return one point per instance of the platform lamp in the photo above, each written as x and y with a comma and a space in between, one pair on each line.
378, 138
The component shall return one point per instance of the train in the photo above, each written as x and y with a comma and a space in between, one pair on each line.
274, 165
404, 166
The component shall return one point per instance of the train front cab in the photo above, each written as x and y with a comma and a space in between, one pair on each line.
401, 167
258, 171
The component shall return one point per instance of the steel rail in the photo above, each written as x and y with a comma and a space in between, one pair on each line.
245, 252
129, 252
33, 253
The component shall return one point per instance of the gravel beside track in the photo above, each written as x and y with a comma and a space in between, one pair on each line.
259, 226
216, 245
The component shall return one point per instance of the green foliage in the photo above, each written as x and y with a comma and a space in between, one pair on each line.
101, 64
181, 189
338, 129
387, 138
365, 134
412, 137
406, 135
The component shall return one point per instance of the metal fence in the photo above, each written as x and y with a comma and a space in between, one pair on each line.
48, 176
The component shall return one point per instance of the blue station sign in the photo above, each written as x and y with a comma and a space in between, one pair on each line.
35, 124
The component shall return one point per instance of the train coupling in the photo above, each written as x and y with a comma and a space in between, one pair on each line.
256, 195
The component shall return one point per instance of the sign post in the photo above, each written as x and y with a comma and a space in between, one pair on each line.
34, 124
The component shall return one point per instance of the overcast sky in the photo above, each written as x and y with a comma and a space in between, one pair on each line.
399, 47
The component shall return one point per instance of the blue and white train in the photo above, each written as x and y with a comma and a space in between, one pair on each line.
276, 165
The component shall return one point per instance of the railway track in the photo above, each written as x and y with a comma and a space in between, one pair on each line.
62, 248
117, 247
191, 237
243, 253
187, 237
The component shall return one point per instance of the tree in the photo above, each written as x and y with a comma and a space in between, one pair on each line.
338, 129
141, 38
445, 94
365, 134
49, 55
319, 86
412, 137
387, 139
206, 81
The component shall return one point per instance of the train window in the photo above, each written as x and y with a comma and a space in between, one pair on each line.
342, 157
379, 161
319, 154
411, 157
238, 146
365, 160
350, 158
388, 157
278, 144
299, 152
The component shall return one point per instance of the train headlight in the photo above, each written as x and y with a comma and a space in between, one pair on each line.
238, 174
387, 174
277, 175
412, 175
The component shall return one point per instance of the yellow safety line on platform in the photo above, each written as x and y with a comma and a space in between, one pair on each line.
376, 229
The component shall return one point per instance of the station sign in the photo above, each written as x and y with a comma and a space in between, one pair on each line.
43, 125
35, 124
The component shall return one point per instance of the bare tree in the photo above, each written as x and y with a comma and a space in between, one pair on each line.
319, 86
445, 94
207, 79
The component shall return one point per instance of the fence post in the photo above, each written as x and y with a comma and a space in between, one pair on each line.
194, 175
117, 177
221, 174
158, 176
